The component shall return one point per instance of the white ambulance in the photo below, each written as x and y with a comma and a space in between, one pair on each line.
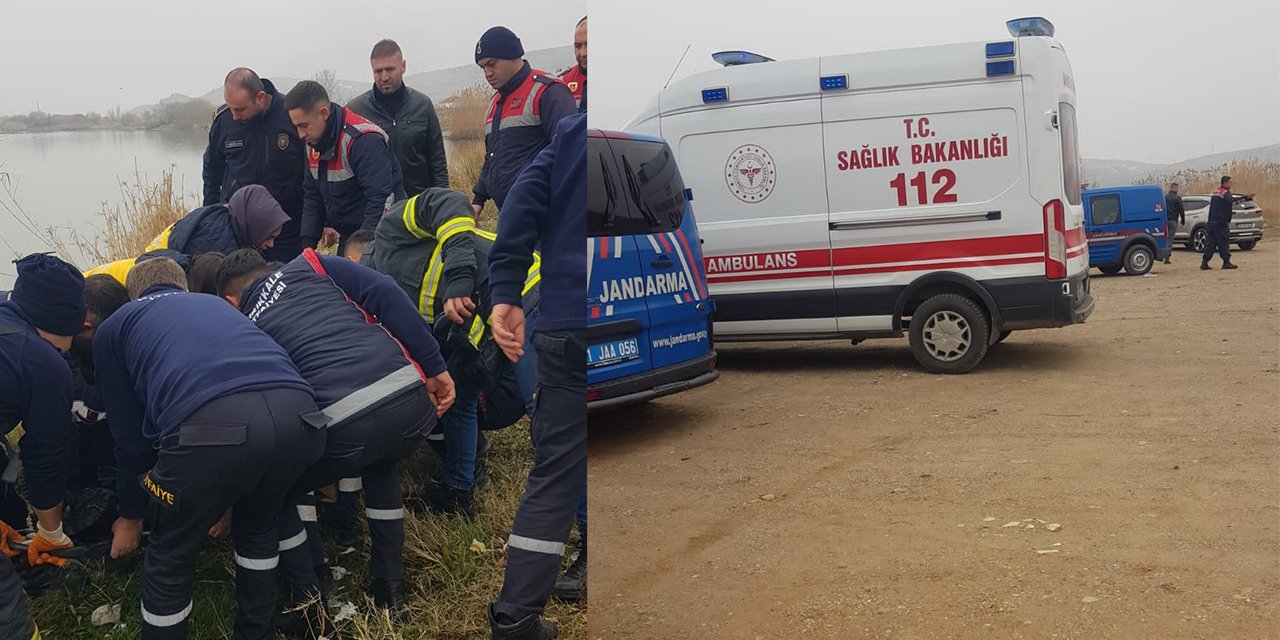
933, 190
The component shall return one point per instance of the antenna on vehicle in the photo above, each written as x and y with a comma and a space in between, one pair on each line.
678, 63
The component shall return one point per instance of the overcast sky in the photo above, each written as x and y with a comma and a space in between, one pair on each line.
76, 56
1145, 72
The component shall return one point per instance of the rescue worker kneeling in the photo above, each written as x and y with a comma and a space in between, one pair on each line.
251, 218
378, 377
430, 246
207, 413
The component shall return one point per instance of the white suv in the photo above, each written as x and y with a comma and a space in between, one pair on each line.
1246, 224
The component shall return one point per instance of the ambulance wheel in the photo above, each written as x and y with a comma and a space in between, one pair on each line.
1110, 269
949, 334
1137, 260
1247, 245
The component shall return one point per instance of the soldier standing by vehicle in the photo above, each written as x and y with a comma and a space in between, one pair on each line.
1175, 214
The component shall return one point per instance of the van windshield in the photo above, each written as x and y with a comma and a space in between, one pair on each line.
1070, 152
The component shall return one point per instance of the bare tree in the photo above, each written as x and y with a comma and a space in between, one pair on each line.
329, 80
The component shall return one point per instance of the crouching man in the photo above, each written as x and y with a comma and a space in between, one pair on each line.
378, 377
207, 413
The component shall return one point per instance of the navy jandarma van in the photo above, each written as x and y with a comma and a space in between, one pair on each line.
648, 311
1126, 228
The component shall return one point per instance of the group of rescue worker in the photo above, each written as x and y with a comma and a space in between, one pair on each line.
231, 379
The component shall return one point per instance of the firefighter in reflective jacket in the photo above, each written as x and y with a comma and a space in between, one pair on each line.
431, 247
576, 77
522, 115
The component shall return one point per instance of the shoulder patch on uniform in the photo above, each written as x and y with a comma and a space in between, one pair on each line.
547, 80
219, 111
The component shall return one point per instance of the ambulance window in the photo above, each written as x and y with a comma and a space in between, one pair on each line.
1104, 210
651, 184
1070, 152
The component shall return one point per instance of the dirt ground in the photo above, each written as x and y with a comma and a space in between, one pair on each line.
822, 490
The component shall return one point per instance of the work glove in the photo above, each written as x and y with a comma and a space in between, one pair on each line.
45, 545
8, 535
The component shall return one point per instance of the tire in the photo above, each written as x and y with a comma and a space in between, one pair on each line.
1110, 269
1138, 259
1247, 245
949, 334
1199, 239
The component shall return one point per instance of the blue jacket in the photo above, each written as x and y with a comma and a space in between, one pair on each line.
547, 206
510, 148
35, 389
351, 177
353, 334
160, 358
1220, 206
205, 230
265, 151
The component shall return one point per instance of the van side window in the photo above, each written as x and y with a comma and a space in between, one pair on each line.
1070, 152
1104, 210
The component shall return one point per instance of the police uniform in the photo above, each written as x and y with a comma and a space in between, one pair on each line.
207, 413
576, 79
1219, 229
358, 340
520, 122
265, 151
547, 208
351, 178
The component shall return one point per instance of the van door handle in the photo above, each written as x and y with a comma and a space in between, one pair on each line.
661, 263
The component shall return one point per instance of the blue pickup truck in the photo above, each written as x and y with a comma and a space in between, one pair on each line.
648, 308
1126, 228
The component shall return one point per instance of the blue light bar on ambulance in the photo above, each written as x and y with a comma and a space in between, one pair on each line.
834, 83
734, 58
1033, 26
1001, 68
1000, 49
720, 94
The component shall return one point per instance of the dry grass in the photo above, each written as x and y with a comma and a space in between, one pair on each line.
1262, 178
462, 115
454, 568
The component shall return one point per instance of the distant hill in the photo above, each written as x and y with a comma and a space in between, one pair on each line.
173, 100
1110, 173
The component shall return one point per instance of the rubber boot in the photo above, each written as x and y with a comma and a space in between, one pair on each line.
532, 627
571, 586
389, 594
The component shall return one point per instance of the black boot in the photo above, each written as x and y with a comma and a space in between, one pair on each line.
309, 621
1168, 261
389, 594
1228, 265
571, 586
443, 499
1204, 266
530, 628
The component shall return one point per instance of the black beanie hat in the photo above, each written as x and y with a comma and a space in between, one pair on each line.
51, 294
500, 43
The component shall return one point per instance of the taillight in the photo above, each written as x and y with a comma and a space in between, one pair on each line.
593, 395
1055, 240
